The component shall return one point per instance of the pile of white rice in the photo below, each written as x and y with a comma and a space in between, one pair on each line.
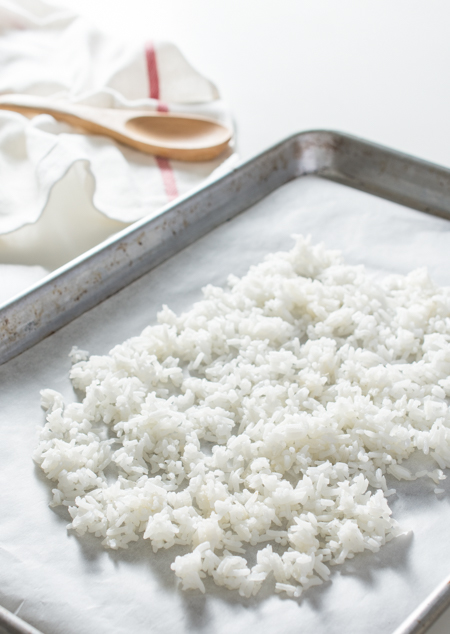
267, 415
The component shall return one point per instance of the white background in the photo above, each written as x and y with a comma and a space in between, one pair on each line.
379, 70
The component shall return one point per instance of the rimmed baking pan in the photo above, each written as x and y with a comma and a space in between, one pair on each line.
356, 196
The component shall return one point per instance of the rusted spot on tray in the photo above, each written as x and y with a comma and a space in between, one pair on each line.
80, 295
122, 246
11, 329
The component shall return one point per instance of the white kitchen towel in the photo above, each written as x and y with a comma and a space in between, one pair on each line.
46, 51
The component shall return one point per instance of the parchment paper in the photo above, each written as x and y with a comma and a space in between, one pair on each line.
65, 584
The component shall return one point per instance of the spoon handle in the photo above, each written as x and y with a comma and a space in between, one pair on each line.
31, 105
87, 118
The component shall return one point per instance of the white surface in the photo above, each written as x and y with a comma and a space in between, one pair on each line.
61, 583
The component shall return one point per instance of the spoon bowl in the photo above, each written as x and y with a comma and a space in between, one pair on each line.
174, 131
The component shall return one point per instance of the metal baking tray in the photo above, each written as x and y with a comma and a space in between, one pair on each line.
115, 264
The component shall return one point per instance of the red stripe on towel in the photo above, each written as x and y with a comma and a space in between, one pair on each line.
167, 173
168, 177
152, 71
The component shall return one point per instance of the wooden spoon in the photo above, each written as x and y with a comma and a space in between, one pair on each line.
175, 136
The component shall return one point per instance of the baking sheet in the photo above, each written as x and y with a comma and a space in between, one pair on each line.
63, 583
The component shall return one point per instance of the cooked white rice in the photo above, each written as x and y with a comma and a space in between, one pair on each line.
267, 415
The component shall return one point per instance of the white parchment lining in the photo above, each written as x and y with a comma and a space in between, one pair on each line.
61, 583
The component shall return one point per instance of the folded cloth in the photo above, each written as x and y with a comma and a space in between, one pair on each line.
52, 52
